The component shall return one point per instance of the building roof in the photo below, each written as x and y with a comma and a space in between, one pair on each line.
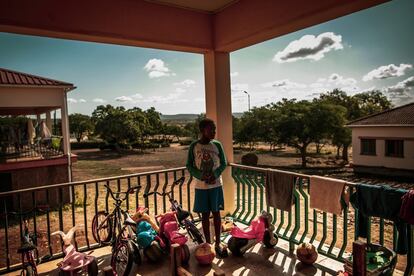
402, 115
14, 78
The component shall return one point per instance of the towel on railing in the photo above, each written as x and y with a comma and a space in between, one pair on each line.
279, 190
407, 207
326, 194
383, 202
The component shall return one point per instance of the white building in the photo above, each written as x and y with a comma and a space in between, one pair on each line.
383, 143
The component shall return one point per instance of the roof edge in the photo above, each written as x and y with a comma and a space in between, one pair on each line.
31, 75
379, 113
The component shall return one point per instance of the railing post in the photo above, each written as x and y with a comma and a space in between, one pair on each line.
359, 257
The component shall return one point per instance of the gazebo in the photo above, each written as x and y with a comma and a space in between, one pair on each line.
28, 162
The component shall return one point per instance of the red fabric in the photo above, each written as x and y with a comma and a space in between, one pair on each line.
407, 207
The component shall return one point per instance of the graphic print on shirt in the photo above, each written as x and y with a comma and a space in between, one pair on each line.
207, 164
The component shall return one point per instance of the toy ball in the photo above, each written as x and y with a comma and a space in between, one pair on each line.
204, 254
306, 253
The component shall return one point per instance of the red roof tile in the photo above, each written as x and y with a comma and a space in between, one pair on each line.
9, 77
402, 115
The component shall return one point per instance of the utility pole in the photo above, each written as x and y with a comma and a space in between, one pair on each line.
248, 98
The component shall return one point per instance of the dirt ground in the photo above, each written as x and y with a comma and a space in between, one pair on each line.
93, 163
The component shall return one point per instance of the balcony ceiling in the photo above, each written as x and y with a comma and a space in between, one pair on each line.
209, 6
195, 26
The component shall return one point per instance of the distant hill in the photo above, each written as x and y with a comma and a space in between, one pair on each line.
188, 117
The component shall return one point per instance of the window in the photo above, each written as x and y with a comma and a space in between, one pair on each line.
394, 148
368, 146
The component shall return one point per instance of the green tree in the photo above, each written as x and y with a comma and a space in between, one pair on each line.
192, 127
154, 125
357, 106
80, 125
301, 123
371, 102
116, 125
172, 130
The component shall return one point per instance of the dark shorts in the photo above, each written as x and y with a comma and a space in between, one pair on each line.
208, 200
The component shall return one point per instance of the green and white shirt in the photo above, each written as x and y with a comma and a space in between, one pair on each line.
206, 159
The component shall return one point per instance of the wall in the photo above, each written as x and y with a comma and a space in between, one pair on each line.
30, 97
380, 160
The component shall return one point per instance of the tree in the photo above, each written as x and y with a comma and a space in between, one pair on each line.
80, 124
371, 102
357, 106
301, 123
116, 125
192, 128
172, 130
154, 124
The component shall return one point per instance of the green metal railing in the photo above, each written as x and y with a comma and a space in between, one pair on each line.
61, 206
331, 234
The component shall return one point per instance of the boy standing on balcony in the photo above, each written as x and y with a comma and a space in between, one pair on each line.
206, 161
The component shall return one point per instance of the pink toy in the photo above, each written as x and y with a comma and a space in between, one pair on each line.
260, 230
75, 262
169, 233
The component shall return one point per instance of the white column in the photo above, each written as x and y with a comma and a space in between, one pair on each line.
49, 121
65, 133
218, 108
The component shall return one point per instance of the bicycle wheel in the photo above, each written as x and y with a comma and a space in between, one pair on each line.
122, 259
27, 271
195, 233
102, 227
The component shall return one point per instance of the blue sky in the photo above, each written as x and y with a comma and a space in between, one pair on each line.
366, 50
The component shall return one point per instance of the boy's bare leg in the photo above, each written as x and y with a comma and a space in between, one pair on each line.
220, 250
217, 226
205, 218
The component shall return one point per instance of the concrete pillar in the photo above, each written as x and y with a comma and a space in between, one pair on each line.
218, 108
49, 121
66, 133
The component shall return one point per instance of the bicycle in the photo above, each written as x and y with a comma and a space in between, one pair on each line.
109, 228
181, 215
28, 250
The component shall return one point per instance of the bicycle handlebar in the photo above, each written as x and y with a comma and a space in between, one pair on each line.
130, 189
179, 181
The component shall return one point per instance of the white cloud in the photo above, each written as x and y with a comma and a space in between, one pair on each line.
180, 90
98, 100
339, 80
186, 83
124, 99
137, 96
239, 86
284, 84
309, 47
401, 87
388, 71
156, 68
170, 98
82, 100
234, 74
335, 80
72, 100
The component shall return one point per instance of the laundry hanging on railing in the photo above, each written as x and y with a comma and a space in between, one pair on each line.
407, 207
279, 190
328, 194
383, 202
